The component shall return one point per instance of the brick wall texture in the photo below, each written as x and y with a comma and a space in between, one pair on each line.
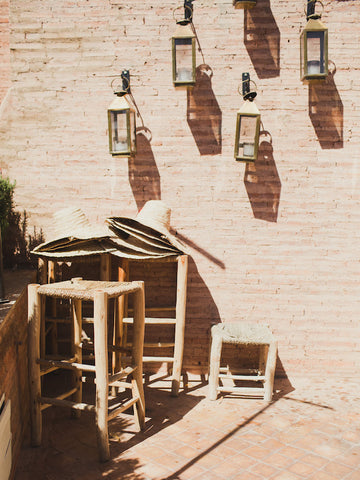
274, 242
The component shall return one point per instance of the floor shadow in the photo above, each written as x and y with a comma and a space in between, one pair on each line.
203, 113
262, 39
263, 184
242, 424
326, 112
144, 175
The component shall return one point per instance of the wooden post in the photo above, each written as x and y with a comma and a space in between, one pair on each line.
34, 320
137, 349
105, 267
42, 271
270, 371
121, 310
101, 372
182, 269
77, 351
215, 355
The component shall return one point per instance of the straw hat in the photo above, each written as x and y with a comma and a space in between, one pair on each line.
72, 222
153, 221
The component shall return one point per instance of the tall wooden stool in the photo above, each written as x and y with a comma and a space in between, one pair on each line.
99, 292
243, 334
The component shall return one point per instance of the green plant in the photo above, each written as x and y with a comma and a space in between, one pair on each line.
6, 202
16, 242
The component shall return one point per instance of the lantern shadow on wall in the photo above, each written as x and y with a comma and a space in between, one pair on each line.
326, 112
203, 113
263, 184
144, 175
262, 39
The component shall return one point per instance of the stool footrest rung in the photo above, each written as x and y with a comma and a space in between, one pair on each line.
122, 408
252, 378
120, 375
60, 402
67, 364
249, 391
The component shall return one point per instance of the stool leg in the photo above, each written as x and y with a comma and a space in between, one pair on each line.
215, 354
180, 323
34, 320
270, 371
137, 350
101, 372
77, 350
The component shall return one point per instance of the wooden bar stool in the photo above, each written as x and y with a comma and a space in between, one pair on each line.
243, 334
99, 292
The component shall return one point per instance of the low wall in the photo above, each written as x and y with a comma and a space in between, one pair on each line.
14, 370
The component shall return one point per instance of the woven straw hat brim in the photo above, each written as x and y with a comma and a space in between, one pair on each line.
75, 250
141, 247
150, 236
137, 227
125, 253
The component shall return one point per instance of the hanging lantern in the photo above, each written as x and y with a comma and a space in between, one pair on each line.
121, 121
183, 50
247, 125
244, 3
314, 46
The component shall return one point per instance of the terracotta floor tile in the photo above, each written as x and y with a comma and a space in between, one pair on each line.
322, 476
351, 458
258, 452
314, 460
264, 470
301, 469
278, 460
338, 470
286, 476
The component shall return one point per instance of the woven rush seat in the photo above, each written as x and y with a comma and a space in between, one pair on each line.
241, 333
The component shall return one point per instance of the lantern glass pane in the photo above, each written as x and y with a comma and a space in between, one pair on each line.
315, 53
247, 136
183, 59
119, 131
132, 132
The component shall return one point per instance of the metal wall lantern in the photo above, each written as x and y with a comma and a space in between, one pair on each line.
247, 125
244, 3
314, 46
183, 49
121, 120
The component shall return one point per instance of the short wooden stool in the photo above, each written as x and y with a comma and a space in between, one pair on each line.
78, 290
243, 334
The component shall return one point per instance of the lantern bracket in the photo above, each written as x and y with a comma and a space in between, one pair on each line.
247, 92
310, 10
125, 86
188, 13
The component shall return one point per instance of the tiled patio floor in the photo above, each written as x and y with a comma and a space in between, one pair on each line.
310, 431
